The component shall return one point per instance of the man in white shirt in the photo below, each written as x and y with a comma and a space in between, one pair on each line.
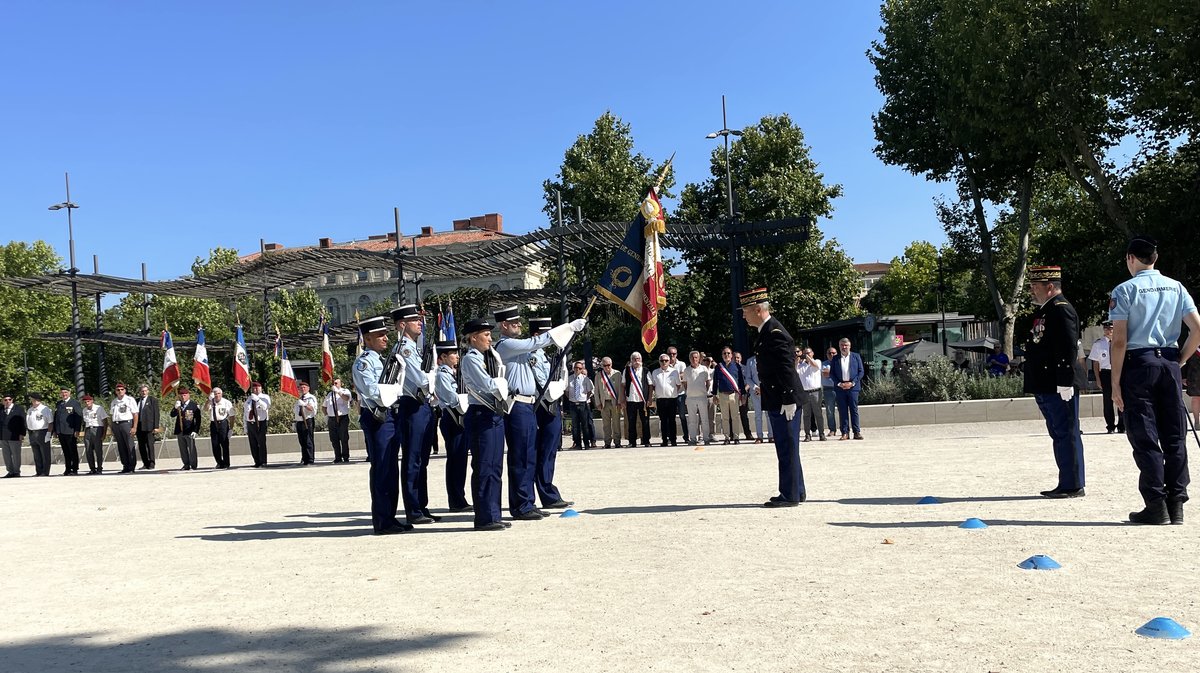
666, 384
124, 414
337, 417
680, 401
95, 427
810, 380
697, 385
257, 414
38, 420
1100, 357
218, 410
579, 395
304, 413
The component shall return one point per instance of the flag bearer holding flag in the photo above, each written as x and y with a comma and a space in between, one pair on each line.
520, 357
187, 423
256, 412
337, 417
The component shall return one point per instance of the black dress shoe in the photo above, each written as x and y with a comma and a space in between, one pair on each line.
858, 435
429, 515
495, 525
1175, 511
465, 508
392, 530
506, 524
531, 515
1060, 493
1155, 514
420, 521
781, 503
559, 504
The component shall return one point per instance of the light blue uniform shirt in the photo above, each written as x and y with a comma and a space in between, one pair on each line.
367, 370
407, 348
520, 357
476, 378
752, 373
445, 387
1153, 307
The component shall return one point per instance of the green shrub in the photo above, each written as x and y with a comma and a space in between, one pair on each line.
882, 391
936, 380
994, 387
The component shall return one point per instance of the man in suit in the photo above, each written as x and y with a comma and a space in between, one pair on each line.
637, 390
187, 422
609, 399
781, 394
68, 425
12, 433
147, 427
846, 370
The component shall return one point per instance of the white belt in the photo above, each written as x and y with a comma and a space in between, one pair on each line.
527, 399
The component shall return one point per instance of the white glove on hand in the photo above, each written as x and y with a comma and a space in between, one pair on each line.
501, 387
193, 435
1066, 392
177, 404
578, 324
789, 411
211, 395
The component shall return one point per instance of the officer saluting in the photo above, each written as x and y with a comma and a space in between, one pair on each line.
379, 428
487, 395
781, 394
1053, 375
520, 426
1147, 311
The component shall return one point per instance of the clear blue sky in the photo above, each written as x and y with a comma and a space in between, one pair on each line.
190, 125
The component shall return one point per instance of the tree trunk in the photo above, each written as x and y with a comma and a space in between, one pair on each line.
1102, 189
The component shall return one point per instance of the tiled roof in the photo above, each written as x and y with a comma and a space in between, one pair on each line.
873, 267
384, 243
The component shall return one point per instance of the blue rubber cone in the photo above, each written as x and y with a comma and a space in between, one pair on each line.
929, 500
972, 523
1163, 627
568, 513
1039, 562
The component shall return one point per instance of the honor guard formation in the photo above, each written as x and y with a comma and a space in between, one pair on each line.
498, 404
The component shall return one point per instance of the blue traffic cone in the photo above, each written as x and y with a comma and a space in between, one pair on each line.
1039, 562
929, 500
1163, 627
568, 513
972, 523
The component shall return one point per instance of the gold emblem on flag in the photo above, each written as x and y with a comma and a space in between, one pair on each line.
622, 276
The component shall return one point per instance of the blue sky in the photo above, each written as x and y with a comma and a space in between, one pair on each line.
190, 125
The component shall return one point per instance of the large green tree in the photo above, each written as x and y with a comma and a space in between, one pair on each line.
774, 176
26, 314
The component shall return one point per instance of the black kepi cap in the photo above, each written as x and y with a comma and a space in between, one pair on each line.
477, 325
507, 314
405, 312
1106, 323
446, 346
758, 295
540, 324
1044, 274
376, 324
1142, 246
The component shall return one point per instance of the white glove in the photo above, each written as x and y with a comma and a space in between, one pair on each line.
177, 404
501, 387
789, 411
211, 395
193, 435
578, 324
1066, 392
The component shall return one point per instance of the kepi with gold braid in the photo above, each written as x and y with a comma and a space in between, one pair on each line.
756, 296
1044, 274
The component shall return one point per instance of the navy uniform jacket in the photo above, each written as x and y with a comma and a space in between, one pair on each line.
68, 417
187, 418
776, 352
1052, 352
12, 425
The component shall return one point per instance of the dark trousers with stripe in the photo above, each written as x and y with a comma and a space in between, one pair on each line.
1156, 423
456, 460
1062, 422
484, 430
413, 418
383, 448
520, 432
786, 435
549, 441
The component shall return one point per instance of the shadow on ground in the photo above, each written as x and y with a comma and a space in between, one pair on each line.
954, 524
910, 500
664, 509
311, 650
321, 525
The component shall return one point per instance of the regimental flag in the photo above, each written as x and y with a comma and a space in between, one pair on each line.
287, 380
634, 279
446, 329
200, 374
170, 370
326, 353
241, 361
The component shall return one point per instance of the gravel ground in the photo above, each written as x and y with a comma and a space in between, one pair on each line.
672, 566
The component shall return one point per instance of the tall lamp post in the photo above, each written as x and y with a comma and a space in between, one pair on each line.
735, 256
76, 346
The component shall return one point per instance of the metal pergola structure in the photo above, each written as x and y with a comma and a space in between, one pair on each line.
273, 270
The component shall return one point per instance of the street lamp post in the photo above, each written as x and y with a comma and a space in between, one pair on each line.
735, 256
76, 345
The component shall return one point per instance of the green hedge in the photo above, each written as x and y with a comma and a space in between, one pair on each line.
938, 380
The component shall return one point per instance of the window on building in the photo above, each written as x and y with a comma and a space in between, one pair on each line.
331, 279
364, 304
394, 274
363, 275
395, 298
334, 309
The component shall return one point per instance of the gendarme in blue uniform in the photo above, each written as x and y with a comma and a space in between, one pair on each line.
520, 357
412, 417
379, 432
451, 425
548, 439
484, 429
1150, 308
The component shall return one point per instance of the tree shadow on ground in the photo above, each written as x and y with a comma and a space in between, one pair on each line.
219, 650
665, 509
910, 500
323, 525
954, 524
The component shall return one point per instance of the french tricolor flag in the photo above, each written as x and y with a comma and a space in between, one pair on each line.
287, 380
170, 370
200, 374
